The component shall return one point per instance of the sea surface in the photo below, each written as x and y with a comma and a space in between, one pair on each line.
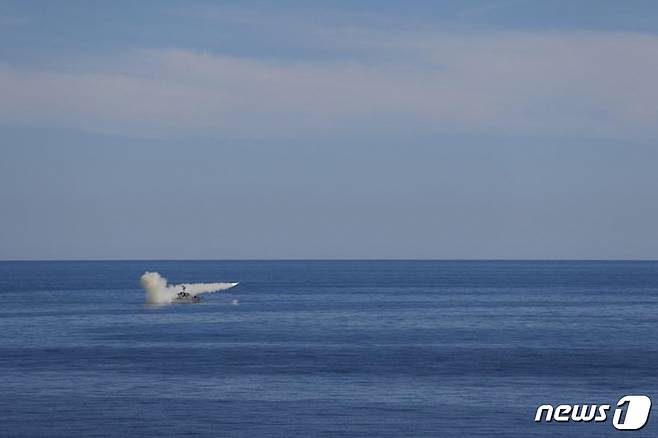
324, 348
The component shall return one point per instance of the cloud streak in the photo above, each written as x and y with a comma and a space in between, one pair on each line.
526, 83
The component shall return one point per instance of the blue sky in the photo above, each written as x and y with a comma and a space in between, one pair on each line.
501, 129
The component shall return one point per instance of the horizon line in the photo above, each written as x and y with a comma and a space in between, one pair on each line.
336, 260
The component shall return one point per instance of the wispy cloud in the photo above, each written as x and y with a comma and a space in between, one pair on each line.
594, 83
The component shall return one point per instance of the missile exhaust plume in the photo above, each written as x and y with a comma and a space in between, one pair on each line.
159, 292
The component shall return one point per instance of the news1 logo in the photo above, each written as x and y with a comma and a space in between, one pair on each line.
631, 413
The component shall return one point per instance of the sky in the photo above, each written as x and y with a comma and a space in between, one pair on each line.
328, 130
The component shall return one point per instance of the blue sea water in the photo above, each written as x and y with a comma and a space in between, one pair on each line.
324, 348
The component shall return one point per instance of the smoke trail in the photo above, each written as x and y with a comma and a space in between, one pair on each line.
159, 292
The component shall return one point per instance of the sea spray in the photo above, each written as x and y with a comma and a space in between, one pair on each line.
159, 292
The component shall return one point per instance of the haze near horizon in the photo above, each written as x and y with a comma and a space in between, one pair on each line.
442, 130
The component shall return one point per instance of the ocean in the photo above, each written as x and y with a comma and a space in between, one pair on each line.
325, 348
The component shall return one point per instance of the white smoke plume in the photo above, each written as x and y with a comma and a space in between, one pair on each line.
159, 292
